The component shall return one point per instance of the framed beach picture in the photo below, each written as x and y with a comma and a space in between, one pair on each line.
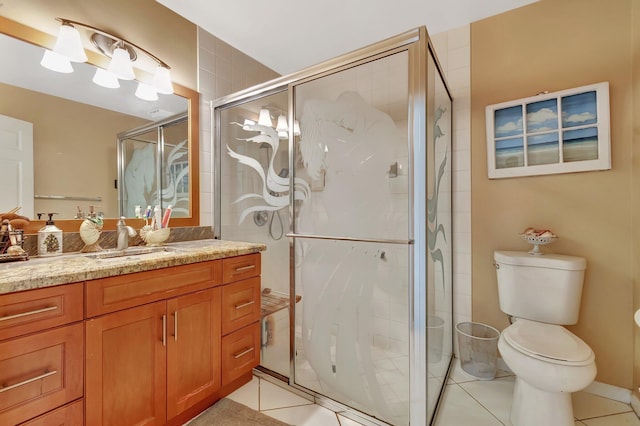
560, 132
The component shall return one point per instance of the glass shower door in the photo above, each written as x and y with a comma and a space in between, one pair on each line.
352, 237
253, 206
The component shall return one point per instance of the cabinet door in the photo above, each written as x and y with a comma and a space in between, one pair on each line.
126, 367
193, 349
40, 372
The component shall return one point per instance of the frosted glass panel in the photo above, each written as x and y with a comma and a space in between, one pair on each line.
353, 151
439, 237
352, 330
254, 207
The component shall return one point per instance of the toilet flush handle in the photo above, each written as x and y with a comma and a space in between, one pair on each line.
497, 265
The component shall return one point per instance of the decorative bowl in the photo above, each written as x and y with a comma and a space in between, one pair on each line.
155, 237
537, 241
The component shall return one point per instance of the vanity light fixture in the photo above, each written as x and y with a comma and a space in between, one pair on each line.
69, 48
264, 118
282, 128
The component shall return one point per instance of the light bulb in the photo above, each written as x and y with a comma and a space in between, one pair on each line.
162, 80
264, 119
69, 45
120, 64
56, 62
282, 126
146, 92
106, 79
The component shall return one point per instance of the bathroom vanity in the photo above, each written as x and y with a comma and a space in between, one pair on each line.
136, 339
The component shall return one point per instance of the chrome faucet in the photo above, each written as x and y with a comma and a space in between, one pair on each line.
123, 232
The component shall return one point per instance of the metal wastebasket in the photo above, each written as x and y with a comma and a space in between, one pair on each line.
478, 346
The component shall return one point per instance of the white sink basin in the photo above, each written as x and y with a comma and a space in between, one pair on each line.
637, 317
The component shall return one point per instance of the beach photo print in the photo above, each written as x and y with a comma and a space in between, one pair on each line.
560, 132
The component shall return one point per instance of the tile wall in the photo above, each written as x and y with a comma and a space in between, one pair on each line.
222, 70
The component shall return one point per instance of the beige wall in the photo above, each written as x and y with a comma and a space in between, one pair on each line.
635, 182
555, 45
74, 149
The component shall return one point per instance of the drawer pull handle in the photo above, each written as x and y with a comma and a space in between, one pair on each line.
175, 326
245, 268
245, 304
164, 330
243, 353
46, 373
24, 314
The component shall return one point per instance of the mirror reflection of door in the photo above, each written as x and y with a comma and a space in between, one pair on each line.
16, 162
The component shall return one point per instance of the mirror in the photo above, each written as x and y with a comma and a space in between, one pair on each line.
75, 128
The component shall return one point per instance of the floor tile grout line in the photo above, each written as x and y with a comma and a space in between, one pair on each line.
606, 415
480, 403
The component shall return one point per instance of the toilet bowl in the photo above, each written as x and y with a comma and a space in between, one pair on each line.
549, 363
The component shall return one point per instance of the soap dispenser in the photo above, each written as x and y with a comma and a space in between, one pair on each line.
50, 239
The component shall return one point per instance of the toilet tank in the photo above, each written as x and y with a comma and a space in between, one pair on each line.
545, 288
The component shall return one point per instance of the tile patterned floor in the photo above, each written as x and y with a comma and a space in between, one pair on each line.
466, 401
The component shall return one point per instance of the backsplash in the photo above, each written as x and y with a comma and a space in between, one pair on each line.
71, 241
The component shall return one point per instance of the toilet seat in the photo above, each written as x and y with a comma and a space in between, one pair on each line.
548, 342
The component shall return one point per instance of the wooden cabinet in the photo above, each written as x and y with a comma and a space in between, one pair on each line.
31, 311
154, 351
240, 317
193, 349
41, 352
69, 415
126, 367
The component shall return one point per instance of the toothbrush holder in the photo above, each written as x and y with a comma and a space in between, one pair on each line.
156, 237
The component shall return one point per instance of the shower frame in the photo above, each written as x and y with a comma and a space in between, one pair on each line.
158, 127
416, 42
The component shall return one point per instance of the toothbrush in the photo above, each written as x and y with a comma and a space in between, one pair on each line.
166, 217
157, 217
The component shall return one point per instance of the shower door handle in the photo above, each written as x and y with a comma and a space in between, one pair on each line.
362, 240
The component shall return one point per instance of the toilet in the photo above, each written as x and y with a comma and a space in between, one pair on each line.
542, 294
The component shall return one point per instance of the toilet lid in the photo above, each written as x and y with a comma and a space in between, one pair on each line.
548, 342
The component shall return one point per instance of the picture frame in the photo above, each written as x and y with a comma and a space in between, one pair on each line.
560, 132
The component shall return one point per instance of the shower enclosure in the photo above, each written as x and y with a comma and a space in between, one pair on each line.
153, 167
344, 171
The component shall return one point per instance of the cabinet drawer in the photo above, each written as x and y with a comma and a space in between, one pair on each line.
240, 267
126, 291
240, 352
69, 415
240, 304
29, 311
40, 372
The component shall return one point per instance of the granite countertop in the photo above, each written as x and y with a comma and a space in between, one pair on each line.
40, 272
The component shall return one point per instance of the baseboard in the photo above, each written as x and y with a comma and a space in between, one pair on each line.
635, 403
609, 391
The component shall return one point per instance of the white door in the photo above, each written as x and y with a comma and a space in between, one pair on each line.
16, 163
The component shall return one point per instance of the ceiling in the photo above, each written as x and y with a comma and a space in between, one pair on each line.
289, 35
